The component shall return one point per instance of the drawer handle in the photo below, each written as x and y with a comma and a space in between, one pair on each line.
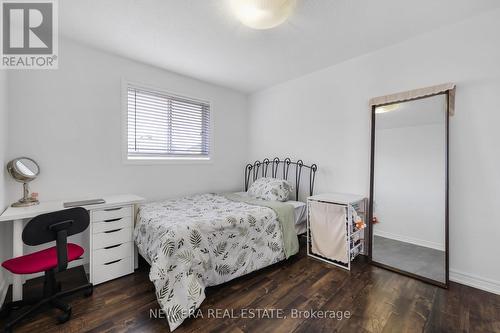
111, 231
112, 209
112, 262
113, 220
112, 246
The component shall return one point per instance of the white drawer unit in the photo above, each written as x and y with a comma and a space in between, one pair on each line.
112, 237
336, 228
112, 224
112, 253
112, 269
112, 213
111, 243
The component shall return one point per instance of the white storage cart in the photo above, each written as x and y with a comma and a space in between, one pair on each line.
336, 227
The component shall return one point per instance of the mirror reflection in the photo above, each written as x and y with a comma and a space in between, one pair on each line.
27, 167
410, 187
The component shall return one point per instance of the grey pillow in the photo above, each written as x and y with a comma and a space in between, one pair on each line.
271, 189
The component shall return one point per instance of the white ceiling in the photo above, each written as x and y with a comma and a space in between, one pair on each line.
202, 39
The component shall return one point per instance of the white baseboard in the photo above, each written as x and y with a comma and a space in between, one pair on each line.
411, 240
475, 281
4, 287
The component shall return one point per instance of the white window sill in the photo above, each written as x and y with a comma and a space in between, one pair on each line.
141, 160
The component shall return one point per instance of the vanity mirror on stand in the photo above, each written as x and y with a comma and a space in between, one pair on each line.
24, 170
408, 205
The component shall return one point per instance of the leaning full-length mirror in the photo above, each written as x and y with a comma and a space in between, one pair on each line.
409, 187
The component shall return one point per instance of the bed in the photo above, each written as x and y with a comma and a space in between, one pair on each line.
208, 239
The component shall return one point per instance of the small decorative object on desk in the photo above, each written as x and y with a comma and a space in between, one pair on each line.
24, 170
336, 228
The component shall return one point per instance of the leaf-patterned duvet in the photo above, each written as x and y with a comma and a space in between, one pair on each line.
201, 241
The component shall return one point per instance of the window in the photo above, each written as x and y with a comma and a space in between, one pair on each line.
162, 125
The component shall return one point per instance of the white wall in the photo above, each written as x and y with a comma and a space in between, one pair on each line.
4, 228
324, 117
3, 137
409, 194
69, 121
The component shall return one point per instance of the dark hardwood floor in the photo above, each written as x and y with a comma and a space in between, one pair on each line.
377, 301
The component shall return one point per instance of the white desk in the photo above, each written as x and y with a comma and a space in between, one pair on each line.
19, 215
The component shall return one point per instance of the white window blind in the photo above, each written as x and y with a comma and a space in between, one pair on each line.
165, 125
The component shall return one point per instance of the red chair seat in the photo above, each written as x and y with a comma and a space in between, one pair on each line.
40, 261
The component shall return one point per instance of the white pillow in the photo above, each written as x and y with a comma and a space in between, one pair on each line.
271, 189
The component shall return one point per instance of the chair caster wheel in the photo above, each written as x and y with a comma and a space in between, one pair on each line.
89, 292
64, 317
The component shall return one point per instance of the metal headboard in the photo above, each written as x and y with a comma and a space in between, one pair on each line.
252, 171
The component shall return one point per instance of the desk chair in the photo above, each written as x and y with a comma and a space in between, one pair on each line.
40, 230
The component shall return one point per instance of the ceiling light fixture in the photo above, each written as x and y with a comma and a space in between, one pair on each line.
387, 108
262, 14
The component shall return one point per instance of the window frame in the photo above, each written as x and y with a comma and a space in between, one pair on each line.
152, 160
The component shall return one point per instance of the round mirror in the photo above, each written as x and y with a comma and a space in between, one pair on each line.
24, 170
